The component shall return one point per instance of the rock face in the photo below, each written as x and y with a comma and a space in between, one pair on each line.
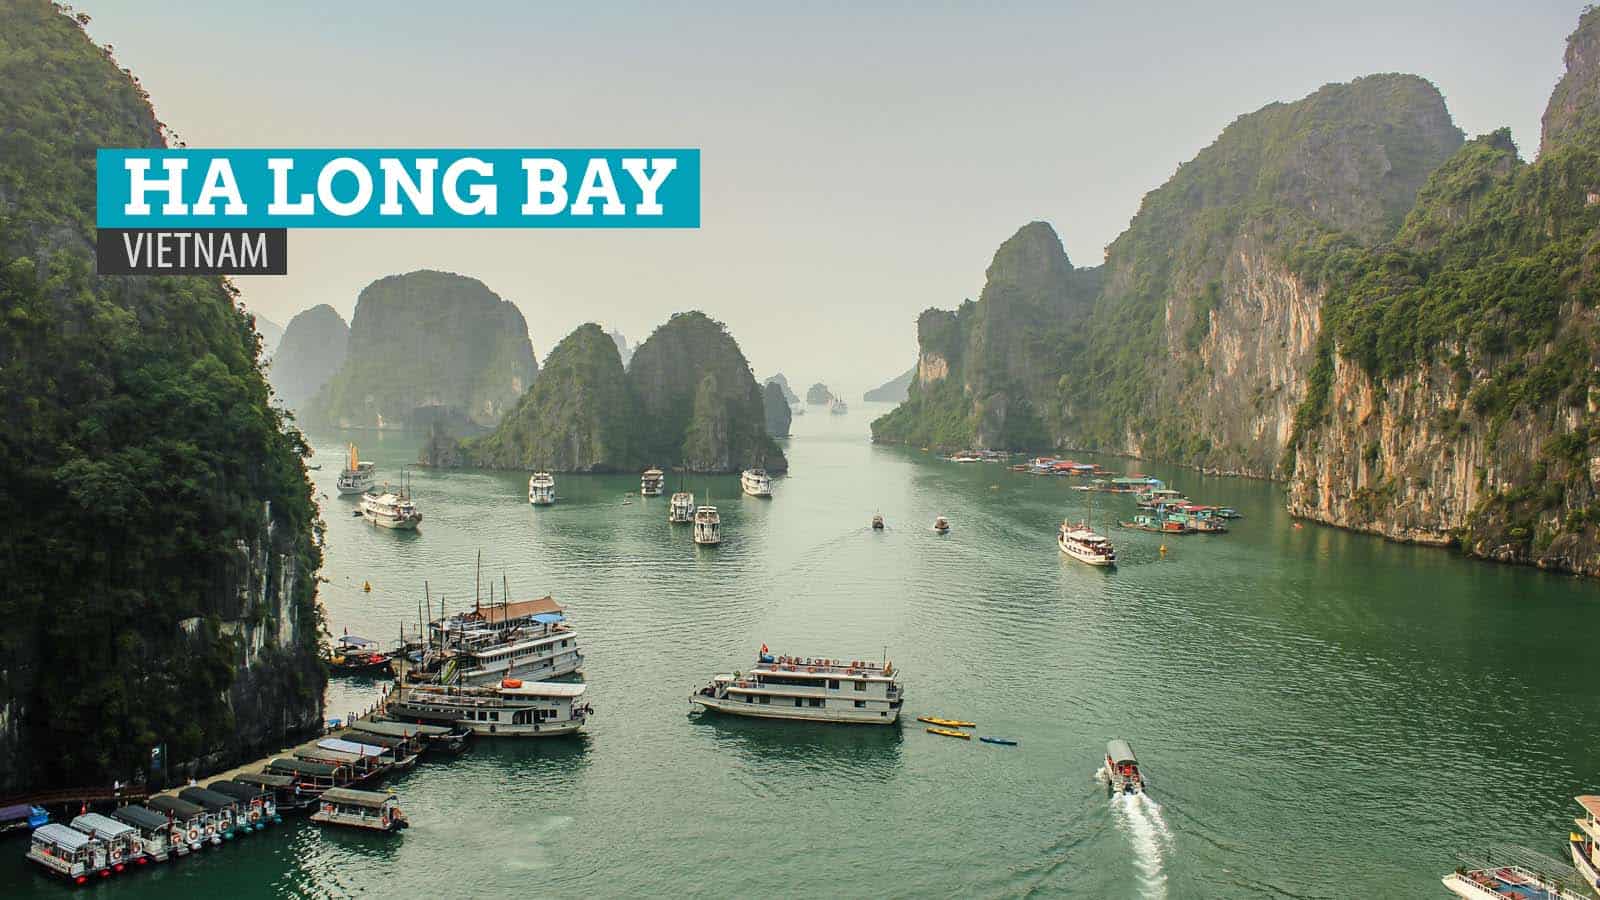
271, 334
1573, 114
311, 352
163, 590
429, 346
778, 415
699, 406
624, 352
819, 395
789, 395
578, 417
893, 391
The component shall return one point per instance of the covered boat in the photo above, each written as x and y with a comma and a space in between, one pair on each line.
855, 691
311, 777
353, 655
372, 810
187, 822
755, 482
69, 853
222, 811
20, 816
357, 476
1122, 769
123, 845
1085, 546
434, 737
155, 834
652, 482
681, 510
707, 526
286, 794
541, 489
258, 808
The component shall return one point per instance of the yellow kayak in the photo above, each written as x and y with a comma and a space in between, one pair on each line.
947, 723
948, 733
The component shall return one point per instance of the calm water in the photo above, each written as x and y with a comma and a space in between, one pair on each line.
1321, 714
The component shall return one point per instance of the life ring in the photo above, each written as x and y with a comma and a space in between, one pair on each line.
194, 833
255, 815
211, 829
138, 845
811, 668
116, 853
511, 683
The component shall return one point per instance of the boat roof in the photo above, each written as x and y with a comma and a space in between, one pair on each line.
545, 689
236, 790
325, 755
344, 746
1081, 534
354, 641
140, 816
101, 826
1590, 804
304, 766
15, 813
208, 799
652, 471
264, 779
400, 729
376, 740
515, 610
1120, 751
353, 797
61, 835
183, 809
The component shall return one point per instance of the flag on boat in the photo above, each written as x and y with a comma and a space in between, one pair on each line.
763, 648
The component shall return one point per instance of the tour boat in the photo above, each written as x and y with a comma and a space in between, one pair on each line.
221, 811
1122, 769
541, 489
357, 477
258, 808
1585, 842
756, 482
155, 834
69, 853
1513, 872
512, 708
124, 847
839, 408
391, 509
188, 823
814, 689
1085, 546
1158, 497
652, 483
877, 521
707, 526
682, 508
526, 639
354, 655
941, 524
283, 792
372, 810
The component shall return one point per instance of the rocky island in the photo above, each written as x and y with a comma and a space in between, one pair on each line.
311, 352
818, 395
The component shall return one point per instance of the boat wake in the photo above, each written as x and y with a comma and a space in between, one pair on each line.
1140, 818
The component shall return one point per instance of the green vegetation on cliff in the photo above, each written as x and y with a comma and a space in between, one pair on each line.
895, 390
429, 345
163, 528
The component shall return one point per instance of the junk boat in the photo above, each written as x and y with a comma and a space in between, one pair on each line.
155, 834
1513, 872
877, 521
357, 477
755, 482
526, 639
391, 509
1122, 770
513, 708
652, 483
707, 526
124, 847
682, 509
69, 853
1083, 545
258, 808
188, 822
941, 525
818, 690
372, 810
354, 655
20, 816
839, 407
1585, 842
541, 489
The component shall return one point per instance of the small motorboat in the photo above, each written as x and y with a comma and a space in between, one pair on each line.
1004, 742
948, 732
1122, 769
946, 723
877, 522
941, 525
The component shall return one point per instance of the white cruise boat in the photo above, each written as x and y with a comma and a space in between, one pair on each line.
756, 482
357, 477
1083, 545
819, 690
707, 526
69, 853
512, 708
541, 489
682, 509
525, 639
1585, 842
1501, 872
652, 483
391, 509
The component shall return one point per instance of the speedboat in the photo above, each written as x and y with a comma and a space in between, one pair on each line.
877, 521
1122, 770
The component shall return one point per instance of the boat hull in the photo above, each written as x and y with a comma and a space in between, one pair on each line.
1590, 873
795, 713
1090, 559
394, 524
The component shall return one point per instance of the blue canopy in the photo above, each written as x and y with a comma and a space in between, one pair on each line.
548, 618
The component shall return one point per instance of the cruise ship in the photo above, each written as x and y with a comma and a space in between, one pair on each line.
512, 708
1509, 871
756, 482
682, 509
1585, 842
707, 526
652, 483
526, 639
818, 690
541, 489
357, 477
391, 509
1083, 545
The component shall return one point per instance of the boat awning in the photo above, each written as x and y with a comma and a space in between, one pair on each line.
209, 799
303, 767
548, 618
400, 729
265, 780
351, 797
324, 755
1590, 804
344, 746
376, 740
103, 827
545, 689
517, 610
350, 640
236, 790
62, 836
148, 819
181, 809
17, 813
1119, 751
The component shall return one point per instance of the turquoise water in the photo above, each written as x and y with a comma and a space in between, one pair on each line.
1320, 714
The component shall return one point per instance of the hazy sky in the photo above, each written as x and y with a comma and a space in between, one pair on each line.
860, 161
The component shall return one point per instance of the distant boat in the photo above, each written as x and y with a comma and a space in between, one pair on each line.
1083, 545
941, 525
839, 408
755, 482
354, 655
357, 477
681, 511
707, 526
391, 509
651, 483
877, 522
541, 489
1122, 769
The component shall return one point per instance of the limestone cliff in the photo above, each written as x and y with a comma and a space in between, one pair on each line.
311, 352
778, 415
894, 390
429, 346
818, 395
160, 589
789, 395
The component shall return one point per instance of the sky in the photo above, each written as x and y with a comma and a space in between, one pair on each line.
860, 162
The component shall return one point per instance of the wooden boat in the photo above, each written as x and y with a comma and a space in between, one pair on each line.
951, 733
946, 723
372, 810
354, 655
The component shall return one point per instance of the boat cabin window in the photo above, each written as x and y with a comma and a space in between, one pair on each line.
817, 701
798, 701
833, 684
861, 685
765, 699
861, 704
749, 698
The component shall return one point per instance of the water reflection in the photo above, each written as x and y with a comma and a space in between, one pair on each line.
778, 748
